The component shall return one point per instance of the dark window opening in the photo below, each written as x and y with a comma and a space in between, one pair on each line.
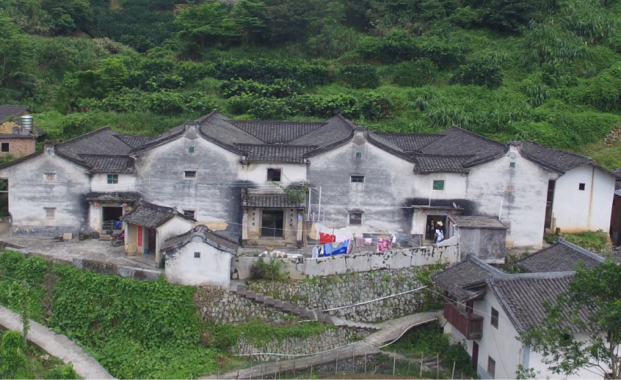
188, 213
273, 175
191, 149
494, 319
189, 174
358, 154
512, 165
491, 367
272, 223
438, 185
197, 255
581, 186
357, 179
355, 218
113, 179
4, 147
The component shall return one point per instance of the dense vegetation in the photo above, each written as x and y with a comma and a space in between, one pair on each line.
135, 329
523, 69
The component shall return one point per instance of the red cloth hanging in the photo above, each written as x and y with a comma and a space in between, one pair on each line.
326, 238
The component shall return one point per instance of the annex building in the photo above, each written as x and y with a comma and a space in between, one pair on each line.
282, 183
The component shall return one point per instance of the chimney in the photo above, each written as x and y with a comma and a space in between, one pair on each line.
26, 124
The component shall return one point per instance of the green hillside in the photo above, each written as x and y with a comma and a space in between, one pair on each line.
548, 71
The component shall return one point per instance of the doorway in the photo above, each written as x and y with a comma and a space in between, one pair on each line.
549, 203
110, 219
151, 234
475, 355
430, 226
272, 223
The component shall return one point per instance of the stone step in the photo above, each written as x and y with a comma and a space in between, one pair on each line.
251, 295
269, 301
241, 290
259, 297
278, 304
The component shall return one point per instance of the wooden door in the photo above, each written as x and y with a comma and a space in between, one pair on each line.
475, 355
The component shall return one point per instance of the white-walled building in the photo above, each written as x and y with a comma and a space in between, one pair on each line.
282, 183
486, 309
199, 257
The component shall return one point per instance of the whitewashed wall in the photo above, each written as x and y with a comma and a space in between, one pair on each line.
126, 182
175, 226
256, 172
518, 195
300, 269
214, 195
583, 210
30, 194
213, 267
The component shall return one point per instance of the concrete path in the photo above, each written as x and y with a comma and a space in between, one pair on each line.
269, 370
394, 328
56, 345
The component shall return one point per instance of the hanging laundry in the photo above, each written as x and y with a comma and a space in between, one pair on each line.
320, 251
383, 244
359, 242
326, 238
315, 252
327, 249
394, 239
341, 238
350, 247
341, 249
368, 241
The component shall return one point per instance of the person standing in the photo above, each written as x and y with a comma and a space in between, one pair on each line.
430, 229
439, 232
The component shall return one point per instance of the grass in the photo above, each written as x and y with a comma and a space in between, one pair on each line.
594, 241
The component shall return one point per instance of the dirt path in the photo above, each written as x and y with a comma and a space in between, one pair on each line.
56, 345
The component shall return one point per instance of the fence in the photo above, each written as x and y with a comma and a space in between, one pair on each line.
332, 365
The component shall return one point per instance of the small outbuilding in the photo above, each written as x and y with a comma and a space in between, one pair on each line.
199, 257
483, 237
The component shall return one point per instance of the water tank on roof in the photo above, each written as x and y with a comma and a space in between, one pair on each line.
27, 124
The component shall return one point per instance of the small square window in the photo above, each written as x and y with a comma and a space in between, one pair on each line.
197, 255
494, 319
273, 175
355, 218
188, 213
512, 165
438, 185
50, 177
50, 212
4, 147
189, 174
113, 179
357, 179
491, 367
358, 154
191, 149
581, 186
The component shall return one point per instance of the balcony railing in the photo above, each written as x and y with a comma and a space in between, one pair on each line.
468, 324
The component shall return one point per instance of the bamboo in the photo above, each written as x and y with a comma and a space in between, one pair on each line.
408, 371
365, 363
453, 373
421, 365
438, 365
336, 368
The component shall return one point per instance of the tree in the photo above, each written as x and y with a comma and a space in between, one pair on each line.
592, 306
16, 53
205, 25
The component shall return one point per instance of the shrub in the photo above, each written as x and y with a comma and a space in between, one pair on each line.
12, 354
267, 71
414, 73
262, 270
359, 76
281, 88
478, 74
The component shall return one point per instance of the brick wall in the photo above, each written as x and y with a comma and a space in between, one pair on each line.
19, 147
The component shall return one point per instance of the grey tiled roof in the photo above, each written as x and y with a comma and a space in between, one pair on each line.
470, 271
109, 164
279, 153
136, 141
523, 296
409, 142
100, 142
6, 111
149, 215
562, 256
555, 159
438, 163
15, 136
460, 142
276, 132
210, 237
333, 132
258, 198
217, 128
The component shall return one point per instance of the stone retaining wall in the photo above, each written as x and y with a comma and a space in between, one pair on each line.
220, 306
328, 340
342, 290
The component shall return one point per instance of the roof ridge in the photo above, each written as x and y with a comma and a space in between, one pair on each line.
558, 150
91, 133
231, 121
416, 154
475, 135
102, 155
581, 250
